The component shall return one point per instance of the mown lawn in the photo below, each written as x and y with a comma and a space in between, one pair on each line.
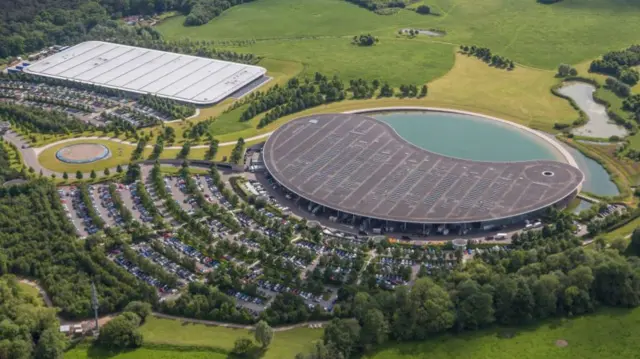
528, 32
120, 154
163, 338
394, 60
522, 96
611, 334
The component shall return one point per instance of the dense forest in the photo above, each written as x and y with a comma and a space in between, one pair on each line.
37, 241
28, 329
544, 274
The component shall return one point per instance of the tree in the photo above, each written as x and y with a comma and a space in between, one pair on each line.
423, 9
343, 335
213, 149
142, 309
475, 305
426, 309
423, 91
107, 172
563, 70
619, 244
93, 174
375, 329
263, 334
635, 242
119, 169
121, 332
65, 176
51, 345
78, 175
242, 346
184, 152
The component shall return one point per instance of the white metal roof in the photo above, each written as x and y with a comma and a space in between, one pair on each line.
197, 80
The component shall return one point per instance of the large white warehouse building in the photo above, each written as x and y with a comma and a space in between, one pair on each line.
191, 79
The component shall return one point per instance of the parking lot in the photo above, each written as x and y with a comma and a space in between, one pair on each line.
104, 205
66, 197
178, 189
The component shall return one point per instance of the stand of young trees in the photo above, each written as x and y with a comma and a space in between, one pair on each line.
484, 54
6, 172
33, 119
150, 38
38, 241
546, 274
168, 107
619, 64
632, 104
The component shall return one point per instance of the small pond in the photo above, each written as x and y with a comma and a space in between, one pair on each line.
431, 33
583, 205
599, 124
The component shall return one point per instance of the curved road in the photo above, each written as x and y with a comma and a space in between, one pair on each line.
30, 154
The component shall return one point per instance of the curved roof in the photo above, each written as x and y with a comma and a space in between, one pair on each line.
359, 165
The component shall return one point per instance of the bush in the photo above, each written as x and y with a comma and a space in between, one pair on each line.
423, 9
121, 332
142, 309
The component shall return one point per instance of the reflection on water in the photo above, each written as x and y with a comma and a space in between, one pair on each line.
596, 178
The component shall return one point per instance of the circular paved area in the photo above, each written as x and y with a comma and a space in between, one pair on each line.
83, 153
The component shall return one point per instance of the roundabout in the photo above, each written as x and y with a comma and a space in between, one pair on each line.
82, 153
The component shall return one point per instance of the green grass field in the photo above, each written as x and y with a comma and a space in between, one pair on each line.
528, 32
163, 337
120, 154
609, 334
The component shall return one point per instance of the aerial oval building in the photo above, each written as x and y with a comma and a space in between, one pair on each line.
359, 166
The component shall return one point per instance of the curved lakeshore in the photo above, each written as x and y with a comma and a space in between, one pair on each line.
541, 136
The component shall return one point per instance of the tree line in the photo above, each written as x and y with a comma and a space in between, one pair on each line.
150, 38
202, 11
33, 119
619, 64
485, 54
170, 108
6, 172
545, 274
302, 93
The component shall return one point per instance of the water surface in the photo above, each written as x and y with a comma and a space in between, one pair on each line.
599, 124
469, 137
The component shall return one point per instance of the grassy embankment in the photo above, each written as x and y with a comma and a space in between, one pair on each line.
607, 335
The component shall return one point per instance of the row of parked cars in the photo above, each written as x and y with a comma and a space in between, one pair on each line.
138, 273
106, 201
171, 267
145, 216
216, 193
175, 243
